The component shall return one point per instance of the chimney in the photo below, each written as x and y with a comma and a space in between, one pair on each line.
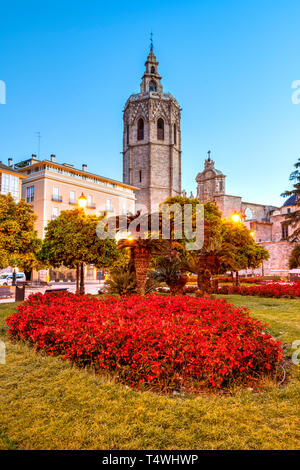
52, 158
10, 162
33, 159
83, 167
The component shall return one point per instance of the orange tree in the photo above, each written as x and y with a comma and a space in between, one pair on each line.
18, 238
239, 250
71, 240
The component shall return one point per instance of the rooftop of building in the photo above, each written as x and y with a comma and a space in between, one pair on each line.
31, 165
9, 169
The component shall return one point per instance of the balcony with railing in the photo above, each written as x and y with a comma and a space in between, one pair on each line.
56, 198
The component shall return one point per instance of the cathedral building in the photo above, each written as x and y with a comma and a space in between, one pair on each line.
152, 163
268, 223
152, 141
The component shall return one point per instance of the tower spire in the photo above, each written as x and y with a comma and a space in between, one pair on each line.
151, 78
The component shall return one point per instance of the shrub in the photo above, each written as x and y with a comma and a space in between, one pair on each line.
168, 269
122, 281
271, 289
162, 341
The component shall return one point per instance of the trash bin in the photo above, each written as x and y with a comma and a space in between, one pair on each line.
20, 293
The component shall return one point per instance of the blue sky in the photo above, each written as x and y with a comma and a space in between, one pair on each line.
69, 68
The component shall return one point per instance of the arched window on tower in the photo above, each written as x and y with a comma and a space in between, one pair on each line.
248, 214
175, 134
152, 86
140, 129
127, 135
152, 69
160, 129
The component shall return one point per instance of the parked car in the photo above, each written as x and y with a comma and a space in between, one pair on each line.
6, 279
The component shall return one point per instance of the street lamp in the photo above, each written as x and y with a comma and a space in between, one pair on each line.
252, 234
82, 201
236, 218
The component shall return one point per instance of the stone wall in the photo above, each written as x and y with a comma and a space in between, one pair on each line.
262, 230
258, 212
278, 263
228, 204
152, 164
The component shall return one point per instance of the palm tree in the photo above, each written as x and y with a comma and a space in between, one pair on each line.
141, 250
293, 218
142, 246
169, 269
204, 264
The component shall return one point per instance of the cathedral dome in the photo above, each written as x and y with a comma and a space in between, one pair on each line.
291, 201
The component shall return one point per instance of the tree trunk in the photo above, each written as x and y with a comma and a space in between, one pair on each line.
81, 288
204, 282
177, 287
215, 284
232, 278
141, 265
237, 279
77, 278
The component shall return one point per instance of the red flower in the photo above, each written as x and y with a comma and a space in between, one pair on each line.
163, 341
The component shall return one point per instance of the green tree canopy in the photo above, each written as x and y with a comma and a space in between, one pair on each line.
239, 249
18, 238
226, 245
71, 240
212, 223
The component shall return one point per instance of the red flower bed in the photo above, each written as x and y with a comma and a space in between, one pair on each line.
164, 341
272, 289
246, 280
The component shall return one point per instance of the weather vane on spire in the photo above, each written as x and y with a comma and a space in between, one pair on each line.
151, 41
208, 153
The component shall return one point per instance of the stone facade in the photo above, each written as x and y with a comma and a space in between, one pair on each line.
268, 223
152, 141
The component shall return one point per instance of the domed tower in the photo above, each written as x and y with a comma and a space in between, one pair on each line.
210, 182
152, 141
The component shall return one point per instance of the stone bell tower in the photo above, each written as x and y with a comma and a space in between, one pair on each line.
210, 182
152, 141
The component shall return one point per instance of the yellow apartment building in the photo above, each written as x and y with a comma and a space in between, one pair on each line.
52, 187
10, 181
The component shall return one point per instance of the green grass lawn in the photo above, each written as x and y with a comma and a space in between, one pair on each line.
48, 404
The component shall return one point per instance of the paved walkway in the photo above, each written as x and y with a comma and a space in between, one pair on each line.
91, 287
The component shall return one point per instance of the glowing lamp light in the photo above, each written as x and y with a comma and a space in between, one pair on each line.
252, 234
82, 201
236, 218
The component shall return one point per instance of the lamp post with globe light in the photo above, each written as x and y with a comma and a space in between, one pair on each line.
237, 218
82, 204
